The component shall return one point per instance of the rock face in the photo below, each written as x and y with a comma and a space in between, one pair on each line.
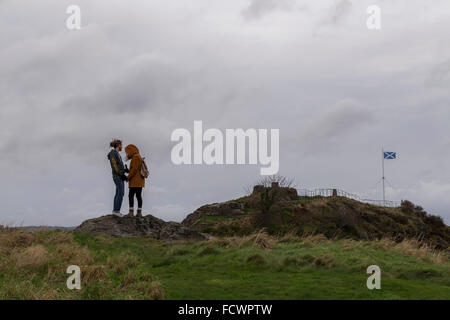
146, 226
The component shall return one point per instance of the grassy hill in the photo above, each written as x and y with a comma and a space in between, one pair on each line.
258, 266
280, 211
270, 244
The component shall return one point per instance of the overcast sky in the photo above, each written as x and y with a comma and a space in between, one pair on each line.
139, 69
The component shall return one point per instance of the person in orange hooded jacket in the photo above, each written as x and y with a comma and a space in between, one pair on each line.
136, 182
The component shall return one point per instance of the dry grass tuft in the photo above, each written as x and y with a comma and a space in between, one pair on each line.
234, 242
414, 248
14, 238
128, 280
318, 238
156, 291
289, 237
71, 254
147, 277
60, 238
256, 259
31, 257
263, 241
21, 290
220, 242
260, 240
123, 262
349, 245
326, 261
47, 293
152, 290
92, 274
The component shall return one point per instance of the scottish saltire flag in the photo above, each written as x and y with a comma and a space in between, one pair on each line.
390, 155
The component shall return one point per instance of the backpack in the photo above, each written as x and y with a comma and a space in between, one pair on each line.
144, 169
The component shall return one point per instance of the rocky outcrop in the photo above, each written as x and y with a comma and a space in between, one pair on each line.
149, 225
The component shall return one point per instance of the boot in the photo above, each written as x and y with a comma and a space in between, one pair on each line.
131, 213
139, 213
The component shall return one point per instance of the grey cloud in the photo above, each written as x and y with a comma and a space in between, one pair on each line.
147, 83
346, 116
258, 8
340, 11
54, 64
440, 75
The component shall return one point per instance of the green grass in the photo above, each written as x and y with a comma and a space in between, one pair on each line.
231, 268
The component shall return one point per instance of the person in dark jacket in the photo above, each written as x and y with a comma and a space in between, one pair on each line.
118, 173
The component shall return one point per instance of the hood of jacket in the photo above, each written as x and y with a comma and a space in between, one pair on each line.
131, 150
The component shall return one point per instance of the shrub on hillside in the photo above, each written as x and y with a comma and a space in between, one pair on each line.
407, 207
434, 221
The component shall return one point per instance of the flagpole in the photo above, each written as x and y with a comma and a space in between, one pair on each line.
382, 165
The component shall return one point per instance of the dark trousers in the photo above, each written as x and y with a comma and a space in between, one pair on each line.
138, 193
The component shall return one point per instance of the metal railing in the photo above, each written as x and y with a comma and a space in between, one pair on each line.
330, 192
